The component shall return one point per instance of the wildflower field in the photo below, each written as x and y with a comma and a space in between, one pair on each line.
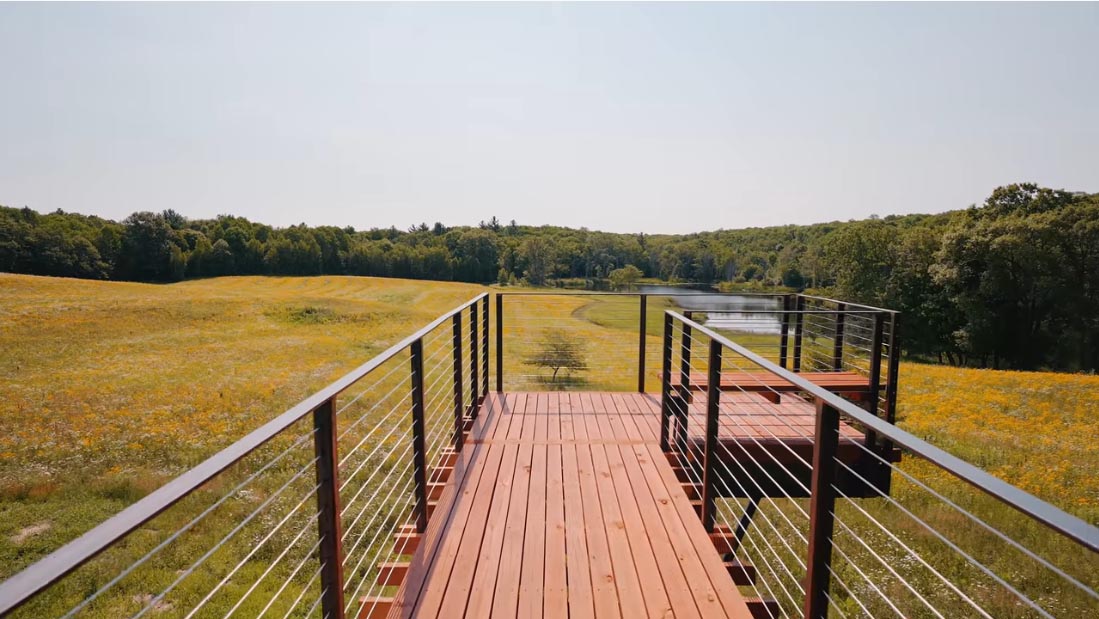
111, 389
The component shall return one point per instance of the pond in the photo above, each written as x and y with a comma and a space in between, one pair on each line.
727, 312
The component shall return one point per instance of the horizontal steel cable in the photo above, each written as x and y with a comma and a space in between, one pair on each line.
255, 548
980, 566
297, 600
130, 568
271, 566
187, 572
991, 529
290, 578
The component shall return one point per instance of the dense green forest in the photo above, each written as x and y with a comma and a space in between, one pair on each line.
1013, 283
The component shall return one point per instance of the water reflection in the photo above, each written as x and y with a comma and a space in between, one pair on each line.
727, 312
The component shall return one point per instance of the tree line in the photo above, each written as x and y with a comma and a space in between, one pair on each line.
1010, 284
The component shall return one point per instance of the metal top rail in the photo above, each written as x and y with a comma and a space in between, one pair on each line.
573, 291
862, 305
1067, 524
25, 584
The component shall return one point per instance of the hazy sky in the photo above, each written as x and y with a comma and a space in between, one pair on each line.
661, 118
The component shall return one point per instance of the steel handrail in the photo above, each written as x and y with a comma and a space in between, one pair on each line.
862, 305
611, 293
1072, 527
24, 585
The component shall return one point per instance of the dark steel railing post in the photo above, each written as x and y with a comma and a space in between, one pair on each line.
641, 346
882, 470
894, 369
885, 448
684, 398
685, 359
875, 363
822, 504
837, 341
709, 463
484, 348
474, 360
784, 338
459, 398
499, 342
328, 506
666, 383
419, 450
799, 319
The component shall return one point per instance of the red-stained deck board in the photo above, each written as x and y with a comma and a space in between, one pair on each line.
766, 381
562, 505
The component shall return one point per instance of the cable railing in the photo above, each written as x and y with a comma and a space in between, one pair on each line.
309, 515
610, 341
822, 508
776, 415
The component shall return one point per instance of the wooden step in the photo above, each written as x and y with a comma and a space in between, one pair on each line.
447, 458
680, 460
440, 475
693, 491
682, 474
374, 607
762, 609
743, 574
434, 491
686, 459
405, 543
696, 503
724, 541
391, 574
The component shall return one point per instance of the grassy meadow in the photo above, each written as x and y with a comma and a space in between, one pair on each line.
110, 389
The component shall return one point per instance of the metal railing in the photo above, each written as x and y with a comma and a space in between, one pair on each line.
813, 533
614, 337
301, 517
804, 491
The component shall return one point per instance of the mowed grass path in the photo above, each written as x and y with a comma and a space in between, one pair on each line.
110, 389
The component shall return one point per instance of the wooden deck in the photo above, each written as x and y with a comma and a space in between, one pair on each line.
764, 448
563, 505
852, 385
750, 422
766, 381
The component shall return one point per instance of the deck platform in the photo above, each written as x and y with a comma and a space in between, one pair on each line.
562, 504
750, 423
851, 385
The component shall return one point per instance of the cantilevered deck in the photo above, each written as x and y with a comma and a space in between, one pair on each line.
756, 483
562, 504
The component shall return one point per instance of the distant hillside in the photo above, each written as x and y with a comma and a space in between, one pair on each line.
1012, 283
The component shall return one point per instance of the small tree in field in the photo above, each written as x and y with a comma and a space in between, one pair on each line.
625, 277
556, 351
